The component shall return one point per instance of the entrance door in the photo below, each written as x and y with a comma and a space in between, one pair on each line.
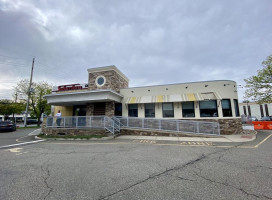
79, 110
99, 108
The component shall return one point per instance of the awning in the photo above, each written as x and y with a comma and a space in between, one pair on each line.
174, 98
210, 96
82, 97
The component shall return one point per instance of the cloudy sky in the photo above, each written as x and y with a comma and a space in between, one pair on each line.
151, 42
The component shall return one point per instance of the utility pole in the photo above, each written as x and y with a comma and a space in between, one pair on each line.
28, 93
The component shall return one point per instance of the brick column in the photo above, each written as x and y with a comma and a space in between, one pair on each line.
110, 108
90, 109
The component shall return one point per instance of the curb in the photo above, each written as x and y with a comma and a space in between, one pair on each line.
76, 139
36, 132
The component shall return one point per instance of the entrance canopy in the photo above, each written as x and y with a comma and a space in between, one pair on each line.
82, 97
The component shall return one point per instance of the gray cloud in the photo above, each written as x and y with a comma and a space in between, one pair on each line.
152, 42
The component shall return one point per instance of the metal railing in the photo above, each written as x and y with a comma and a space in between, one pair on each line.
114, 124
178, 126
84, 122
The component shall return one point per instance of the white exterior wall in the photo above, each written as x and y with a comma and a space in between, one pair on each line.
226, 89
255, 109
158, 110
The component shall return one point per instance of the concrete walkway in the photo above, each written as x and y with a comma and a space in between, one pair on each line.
225, 138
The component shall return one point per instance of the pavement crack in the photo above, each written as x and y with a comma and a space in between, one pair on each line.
182, 178
259, 166
46, 177
232, 186
167, 171
154, 176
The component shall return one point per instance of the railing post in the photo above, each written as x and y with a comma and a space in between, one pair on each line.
177, 122
159, 124
112, 126
64, 122
127, 121
76, 121
197, 127
143, 123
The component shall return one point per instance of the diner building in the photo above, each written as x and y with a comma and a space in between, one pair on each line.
108, 93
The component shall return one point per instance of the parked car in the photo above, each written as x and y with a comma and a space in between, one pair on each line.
32, 121
252, 118
267, 118
7, 126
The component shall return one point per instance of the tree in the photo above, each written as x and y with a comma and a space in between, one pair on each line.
8, 108
259, 87
37, 103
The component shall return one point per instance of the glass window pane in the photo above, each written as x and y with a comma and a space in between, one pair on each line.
207, 104
133, 110
188, 105
150, 110
167, 106
167, 110
226, 108
188, 109
225, 103
236, 106
208, 108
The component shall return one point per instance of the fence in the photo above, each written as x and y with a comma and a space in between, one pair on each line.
115, 123
179, 126
84, 122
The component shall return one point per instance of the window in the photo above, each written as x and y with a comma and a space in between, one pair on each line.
188, 109
208, 108
249, 110
261, 109
167, 110
118, 109
236, 106
266, 109
100, 81
150, 110
244, 108
226, 108
133, 110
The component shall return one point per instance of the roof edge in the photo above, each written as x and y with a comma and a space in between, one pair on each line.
107, 68
179, 84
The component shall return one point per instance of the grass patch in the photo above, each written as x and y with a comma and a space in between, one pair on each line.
71, 136
28, 127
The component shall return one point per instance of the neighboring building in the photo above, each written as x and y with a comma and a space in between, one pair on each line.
254, 109
107, 93
17, 117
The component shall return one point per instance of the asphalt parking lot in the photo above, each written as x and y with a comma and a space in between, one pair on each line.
136, 170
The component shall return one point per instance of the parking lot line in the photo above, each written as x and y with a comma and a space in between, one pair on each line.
18, 144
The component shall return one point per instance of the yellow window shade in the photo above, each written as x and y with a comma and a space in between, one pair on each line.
132, 100
191, 97
160, 99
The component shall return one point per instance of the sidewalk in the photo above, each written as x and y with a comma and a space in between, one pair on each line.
225, 138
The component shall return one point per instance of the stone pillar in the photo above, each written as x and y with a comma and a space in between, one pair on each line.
90, 109
110, 108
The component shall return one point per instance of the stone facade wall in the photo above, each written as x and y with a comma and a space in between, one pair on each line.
113, 81
90, 109
110, 108
125, 131
65, 131
227, 126
43, 125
